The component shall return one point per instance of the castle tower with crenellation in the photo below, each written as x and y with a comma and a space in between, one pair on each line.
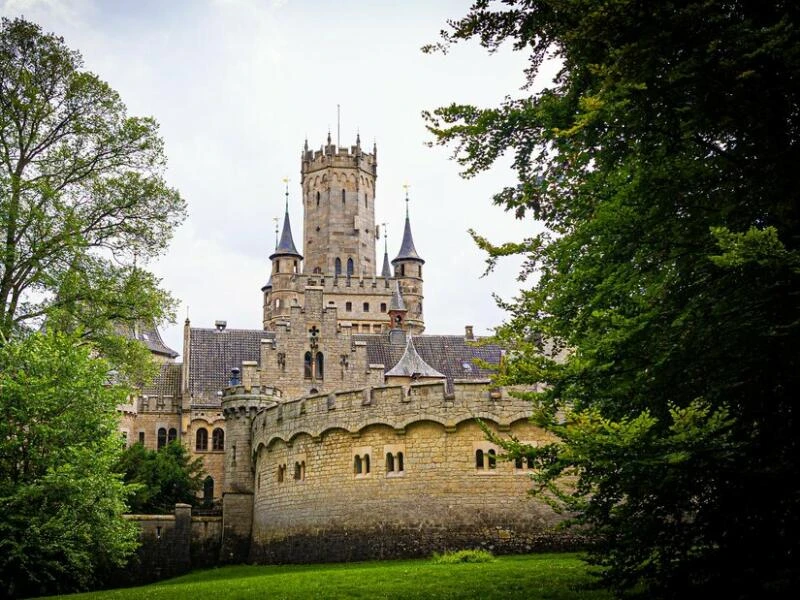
338, 188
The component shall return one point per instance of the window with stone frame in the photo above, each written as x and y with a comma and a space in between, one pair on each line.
172, 435
218, 439
485, 454
395, 459
201, 440
361, 462
161, 439
523, 464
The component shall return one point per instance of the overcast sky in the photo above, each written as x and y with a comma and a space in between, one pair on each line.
238, 85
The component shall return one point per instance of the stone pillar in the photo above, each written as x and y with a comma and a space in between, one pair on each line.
183, 538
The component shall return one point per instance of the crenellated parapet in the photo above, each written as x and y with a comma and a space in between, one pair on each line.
395, 406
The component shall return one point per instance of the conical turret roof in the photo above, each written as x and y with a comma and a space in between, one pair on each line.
412, 365
286, 245
407, 250
397, 299
386, 271
268, 285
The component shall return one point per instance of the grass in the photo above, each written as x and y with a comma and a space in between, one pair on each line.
532, 577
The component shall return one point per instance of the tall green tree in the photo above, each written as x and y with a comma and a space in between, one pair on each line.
664, 309
61, 498
161, 478
82, 195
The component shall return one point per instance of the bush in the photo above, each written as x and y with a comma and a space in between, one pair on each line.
463, 556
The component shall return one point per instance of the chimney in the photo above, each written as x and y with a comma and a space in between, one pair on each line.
220, 325
468, 335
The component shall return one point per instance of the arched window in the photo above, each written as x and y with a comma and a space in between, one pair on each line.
141, 438
317, 198
389, 462
338, 267
357, 465
208, 490
201, 439
479, 459
402, 270
162, 437
299, 471
320, 366
366, 464
492, 459
366, 306
400, 461
383, 307
342, 196
281, 472
218, 439
349, 266
307, 365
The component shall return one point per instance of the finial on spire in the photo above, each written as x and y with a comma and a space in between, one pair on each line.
329, 136
405, 187
358, 138
286, 182
385, 242
305, 146
276, 231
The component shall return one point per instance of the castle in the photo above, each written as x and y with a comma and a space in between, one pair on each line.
340, 431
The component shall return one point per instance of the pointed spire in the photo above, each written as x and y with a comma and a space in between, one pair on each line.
386, 271
412, 365
286, 245
397, 302
329, 137
305, 146
358, 139
407, 250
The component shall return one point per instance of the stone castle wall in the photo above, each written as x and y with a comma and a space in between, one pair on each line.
313, 502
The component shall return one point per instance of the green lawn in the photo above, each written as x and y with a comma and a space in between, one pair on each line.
534, 576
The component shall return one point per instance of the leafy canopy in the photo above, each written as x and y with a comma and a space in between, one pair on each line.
61, 499
662, 161
161, 478
82, 195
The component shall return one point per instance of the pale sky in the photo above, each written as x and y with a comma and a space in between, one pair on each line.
238, 85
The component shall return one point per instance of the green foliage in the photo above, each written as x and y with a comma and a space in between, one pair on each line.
550, 576
462, 556
61, 500
82, 195
161, 478
663, 312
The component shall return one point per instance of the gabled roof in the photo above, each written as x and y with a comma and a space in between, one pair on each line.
213, 353
411, 364
451, 355
167, 382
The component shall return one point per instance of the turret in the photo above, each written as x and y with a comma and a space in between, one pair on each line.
408, 272
339, 210
397, 309
286, 260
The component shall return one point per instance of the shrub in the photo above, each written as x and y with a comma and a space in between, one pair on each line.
463, 556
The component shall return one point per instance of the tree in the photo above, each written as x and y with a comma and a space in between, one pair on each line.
161, 478
61, 500
663, 162
81, 197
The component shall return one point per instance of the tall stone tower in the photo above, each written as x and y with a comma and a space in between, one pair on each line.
339, 210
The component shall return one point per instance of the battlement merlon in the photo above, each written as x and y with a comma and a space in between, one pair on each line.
333, 156
396, 406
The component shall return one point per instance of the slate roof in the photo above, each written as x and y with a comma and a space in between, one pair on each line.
213, 353
167, 382
397, 299
286, 245
412, 365
149, 336
407, 250
386, 271
446, 353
